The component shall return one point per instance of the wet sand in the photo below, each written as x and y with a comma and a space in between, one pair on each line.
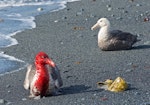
66, 36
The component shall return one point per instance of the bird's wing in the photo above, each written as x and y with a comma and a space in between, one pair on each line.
119, 35
29, 76
56, 77
58, 81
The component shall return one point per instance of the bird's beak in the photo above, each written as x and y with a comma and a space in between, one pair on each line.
95, 26
50, 62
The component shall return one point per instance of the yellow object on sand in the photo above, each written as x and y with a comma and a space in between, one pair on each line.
118, 85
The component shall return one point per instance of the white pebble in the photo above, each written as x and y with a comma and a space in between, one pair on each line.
147, 43
109, 9
24, 99
2, 101
56, 21
82, 99
40, 9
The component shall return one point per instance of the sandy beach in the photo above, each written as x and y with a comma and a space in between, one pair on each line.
67, 38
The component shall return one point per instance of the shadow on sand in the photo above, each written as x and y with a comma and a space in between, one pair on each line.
141, 47
77, 89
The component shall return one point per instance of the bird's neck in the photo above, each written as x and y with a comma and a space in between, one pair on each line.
41, 69
103, 33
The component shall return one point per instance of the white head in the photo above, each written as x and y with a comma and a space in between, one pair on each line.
101, 23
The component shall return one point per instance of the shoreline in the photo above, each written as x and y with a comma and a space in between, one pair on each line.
66, 36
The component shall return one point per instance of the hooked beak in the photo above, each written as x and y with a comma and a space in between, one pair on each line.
50, 62
95, 26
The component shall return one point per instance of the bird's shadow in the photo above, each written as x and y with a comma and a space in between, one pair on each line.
78, 89
141, 47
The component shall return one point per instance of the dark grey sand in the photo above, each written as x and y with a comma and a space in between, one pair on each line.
66, 37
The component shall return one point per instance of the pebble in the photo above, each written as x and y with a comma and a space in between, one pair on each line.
130, 63
56, 21
2, 101
147, 43
78, 13
137, 93
7, 86
86, 19
112, 15
40, 9
138, 5
118, 18
64, 17
146, 12
82, 99
61, 42
92, 16
108, 6
24, 99
95, 94
141, 14
68, 66
124, 11
109, 9
82, 9
129, 70
68, 9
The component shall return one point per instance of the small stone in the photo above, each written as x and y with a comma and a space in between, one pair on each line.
82, 99
82, 9
61, 42
56, 21
138, 5
146, 12
78, 13
7, 86
40, 9
8, 91
92, 16
2, 101
147, 43
24, 99
68, 9
141, 15
125, 11
95, 94
130, 64
86, 19
109, 9
64, 18
129, 70
112, 15
68, 66
119, 18
108, 6
65, 71
146, 19
94, 35
137, 93
68, 77
9, 103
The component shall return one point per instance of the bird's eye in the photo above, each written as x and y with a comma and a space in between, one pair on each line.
43, 57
